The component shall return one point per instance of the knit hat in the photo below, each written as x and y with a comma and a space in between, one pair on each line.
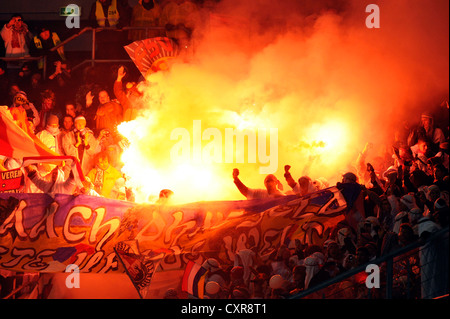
440, 204
52, 119
398, 221
390, 171
415, 214
350, 176
427, 115
212, 287
320, 257
408, 201
211, 264
78, 118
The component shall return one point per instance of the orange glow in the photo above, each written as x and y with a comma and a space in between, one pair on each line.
327, 85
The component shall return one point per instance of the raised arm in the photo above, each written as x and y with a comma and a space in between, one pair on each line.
287, 175
242, 188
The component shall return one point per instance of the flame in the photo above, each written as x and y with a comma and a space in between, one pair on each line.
330, 137
327, 84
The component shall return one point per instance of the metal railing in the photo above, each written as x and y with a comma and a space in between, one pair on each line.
93, 59
409, 284
94, 32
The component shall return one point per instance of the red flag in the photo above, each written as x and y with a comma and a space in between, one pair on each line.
194, 279
16, 143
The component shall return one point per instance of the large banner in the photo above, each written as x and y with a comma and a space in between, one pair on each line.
39, 233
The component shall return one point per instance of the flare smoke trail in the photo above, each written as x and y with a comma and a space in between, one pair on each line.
311, 69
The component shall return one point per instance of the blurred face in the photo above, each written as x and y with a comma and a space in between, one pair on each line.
70, 109
103, 162
103, 97
45, 35
422, 146
386, 206
55, 174
80, 124
426, 123
47, 104
333, 250
53, 126
438, 173
270, 182
68, 123
13, 90
18, 23
434, 194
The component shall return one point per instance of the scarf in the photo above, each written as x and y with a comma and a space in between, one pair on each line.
98, 181
15, 43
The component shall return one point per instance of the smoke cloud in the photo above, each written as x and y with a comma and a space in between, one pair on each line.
310, 69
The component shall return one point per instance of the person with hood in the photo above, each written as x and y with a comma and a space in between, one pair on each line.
304, 186
24, 112
56, 184
42, 45
82, 144
354, 194
272, 184
312, 268
104, 176
130, 98
427, 127
50, 137
16, 36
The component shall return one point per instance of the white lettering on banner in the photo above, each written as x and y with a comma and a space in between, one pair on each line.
15, 219
86, 214
18, 254
46, 223
31, 260
112, 225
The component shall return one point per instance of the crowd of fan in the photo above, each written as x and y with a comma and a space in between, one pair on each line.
392, 203
399, 202
78, 116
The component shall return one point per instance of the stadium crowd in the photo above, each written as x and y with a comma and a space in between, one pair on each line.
400, 199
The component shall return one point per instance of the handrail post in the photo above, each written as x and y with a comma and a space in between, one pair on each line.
93, 47
44, 72
389, 277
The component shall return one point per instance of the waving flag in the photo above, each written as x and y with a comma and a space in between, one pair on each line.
153, 54
139, 268
16, 143
194, 279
